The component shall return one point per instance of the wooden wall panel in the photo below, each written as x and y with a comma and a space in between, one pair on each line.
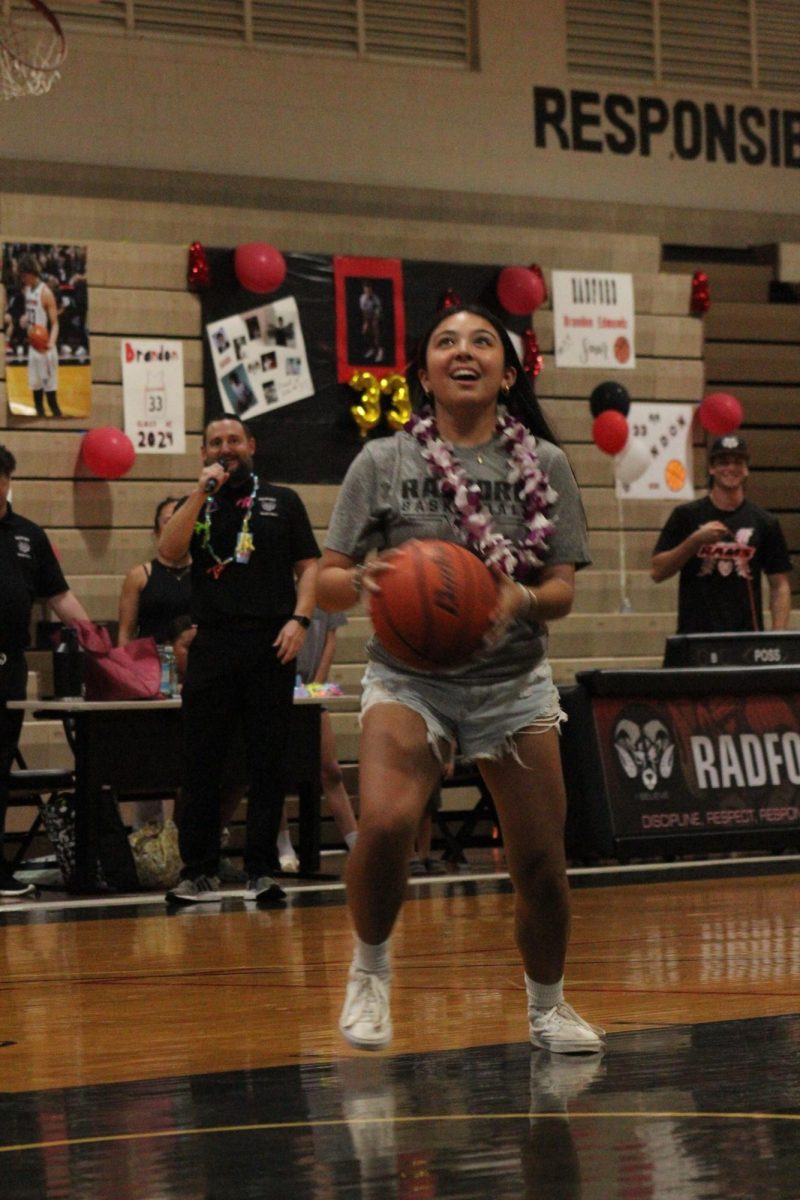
789, 262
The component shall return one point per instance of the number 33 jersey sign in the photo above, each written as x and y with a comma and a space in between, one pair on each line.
152, 389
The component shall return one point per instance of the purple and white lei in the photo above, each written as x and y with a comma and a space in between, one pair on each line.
463, 495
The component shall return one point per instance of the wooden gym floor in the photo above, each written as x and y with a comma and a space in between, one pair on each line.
155, 1055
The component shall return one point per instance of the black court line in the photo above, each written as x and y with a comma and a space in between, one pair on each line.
662, 1108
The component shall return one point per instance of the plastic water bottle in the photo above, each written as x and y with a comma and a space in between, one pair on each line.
169, 672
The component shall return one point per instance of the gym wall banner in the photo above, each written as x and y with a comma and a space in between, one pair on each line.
314, 439
53, 380
153, 395
711, 764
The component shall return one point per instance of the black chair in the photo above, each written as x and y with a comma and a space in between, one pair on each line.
31, 787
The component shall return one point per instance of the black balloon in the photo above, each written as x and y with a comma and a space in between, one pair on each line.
609, 395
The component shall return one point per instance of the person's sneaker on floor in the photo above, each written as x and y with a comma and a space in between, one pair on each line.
13, 888
366, 1022
416, 867
230, 873
560, 1030
202, 890
264, 890
436, 866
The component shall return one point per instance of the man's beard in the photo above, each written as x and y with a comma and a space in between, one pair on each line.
238, 470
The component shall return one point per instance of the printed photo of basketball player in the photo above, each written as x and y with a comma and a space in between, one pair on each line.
370, 318
45, 325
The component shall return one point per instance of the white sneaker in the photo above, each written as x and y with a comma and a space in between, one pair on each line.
203, 890
366, 1022
289, 862
264, 890
562, 1031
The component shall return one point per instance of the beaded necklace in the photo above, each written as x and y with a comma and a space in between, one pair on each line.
244, 547
463, 495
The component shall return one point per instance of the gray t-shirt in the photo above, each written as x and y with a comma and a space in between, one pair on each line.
308, 660
389, 496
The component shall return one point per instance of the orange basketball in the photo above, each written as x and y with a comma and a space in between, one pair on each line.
39, 338
435, 606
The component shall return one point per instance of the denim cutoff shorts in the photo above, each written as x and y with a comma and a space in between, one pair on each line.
481, 719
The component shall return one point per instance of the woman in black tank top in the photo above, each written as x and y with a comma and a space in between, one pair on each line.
154, 594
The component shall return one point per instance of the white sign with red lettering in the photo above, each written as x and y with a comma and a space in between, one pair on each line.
153, 396
593, 319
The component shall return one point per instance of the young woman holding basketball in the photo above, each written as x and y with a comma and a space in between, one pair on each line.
479, 420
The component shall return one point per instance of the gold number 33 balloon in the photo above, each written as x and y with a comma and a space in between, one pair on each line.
367, 412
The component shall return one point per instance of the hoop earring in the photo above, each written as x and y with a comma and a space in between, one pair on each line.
505, 391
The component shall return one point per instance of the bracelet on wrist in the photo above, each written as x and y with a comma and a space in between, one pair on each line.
301, 620
531, 611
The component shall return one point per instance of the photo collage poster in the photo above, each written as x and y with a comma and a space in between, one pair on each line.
260, 359
52, 378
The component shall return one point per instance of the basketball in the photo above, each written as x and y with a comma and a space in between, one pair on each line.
39, 338
435, 607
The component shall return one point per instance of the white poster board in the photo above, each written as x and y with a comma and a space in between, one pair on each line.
260, 359
153, 396
665, 431
593, 319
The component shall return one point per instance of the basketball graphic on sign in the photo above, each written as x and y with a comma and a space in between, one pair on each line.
622, 349
675, 474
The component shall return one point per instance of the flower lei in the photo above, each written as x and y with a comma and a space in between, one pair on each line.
244, 540
463, 495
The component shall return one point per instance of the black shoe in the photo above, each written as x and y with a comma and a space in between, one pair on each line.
13, 888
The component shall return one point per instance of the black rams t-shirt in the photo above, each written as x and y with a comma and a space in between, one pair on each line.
261, 591
28, 569
720, 587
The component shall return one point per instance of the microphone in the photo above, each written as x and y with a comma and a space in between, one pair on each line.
211, 485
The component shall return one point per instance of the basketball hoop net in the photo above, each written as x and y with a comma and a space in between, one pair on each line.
32, 48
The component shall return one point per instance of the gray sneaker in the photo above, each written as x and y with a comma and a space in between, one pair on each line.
195, 891
264, 890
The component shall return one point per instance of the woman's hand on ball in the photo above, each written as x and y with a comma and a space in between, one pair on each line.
510, 602
369, 580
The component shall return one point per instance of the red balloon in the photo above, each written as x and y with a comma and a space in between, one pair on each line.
259, 268
610, 431
520, 290
720, 413
108, 452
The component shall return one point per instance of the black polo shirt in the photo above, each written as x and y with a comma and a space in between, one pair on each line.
261, 591
28, 570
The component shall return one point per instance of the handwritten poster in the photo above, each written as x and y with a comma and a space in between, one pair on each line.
153, 396
593, 319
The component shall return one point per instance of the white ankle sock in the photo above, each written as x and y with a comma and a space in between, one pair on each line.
544, 995
350, 839
372, 958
